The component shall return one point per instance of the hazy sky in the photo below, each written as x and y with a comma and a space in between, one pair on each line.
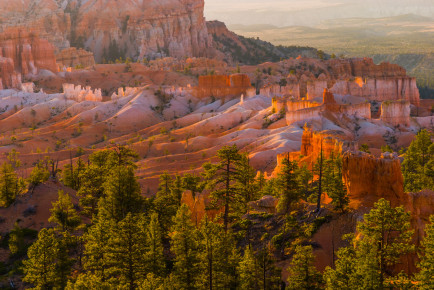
309, 12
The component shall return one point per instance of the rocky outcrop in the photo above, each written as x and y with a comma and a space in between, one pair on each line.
73, 57
267, 204
369, 179
307, 110
396, 113
79, 94
222, 86
27, 51
136, 29
23, 53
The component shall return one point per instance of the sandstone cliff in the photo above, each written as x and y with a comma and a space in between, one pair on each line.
23, 53
114, 28
369, 178
73, 57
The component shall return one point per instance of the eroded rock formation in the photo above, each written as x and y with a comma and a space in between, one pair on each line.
73, 57
396, 113
23, 53
138, 28
222, 86
369, 178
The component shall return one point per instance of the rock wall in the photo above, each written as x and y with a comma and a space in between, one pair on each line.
358, 110
140, 28
304, 114
299, 105
125, 92
23, 53
315, 89
73, 57
290, 90
28, 52
364, 67
369, 179
380, 89
396, 113
9, 77
221, 86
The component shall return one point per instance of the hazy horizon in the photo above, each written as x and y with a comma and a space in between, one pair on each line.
309, 12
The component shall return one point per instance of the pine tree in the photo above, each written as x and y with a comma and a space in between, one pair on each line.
302, 272
154, 255
64, 214
269, 273
343, 276
185, 248
386, 237
426, 265
288, 186
16, 240
39, 174
92, 189
122, 193
40, 268
127, 251
221, 179
165, 204
333, 184
218, 256
96, 254
417, 163
245, 183
10, 185
249, 274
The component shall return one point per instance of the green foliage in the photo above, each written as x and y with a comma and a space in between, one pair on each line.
418, 165
10, 185
48, 265
121, 193
221, 180
64, 214
39, 174
385, 236
218, 256
332, 183
364, 148
288, 186
184, 246
426, 265
302, 272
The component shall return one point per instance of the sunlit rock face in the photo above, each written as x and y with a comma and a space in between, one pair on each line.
137, 29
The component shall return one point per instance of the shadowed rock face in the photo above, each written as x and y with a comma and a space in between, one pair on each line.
143, 28
23, 53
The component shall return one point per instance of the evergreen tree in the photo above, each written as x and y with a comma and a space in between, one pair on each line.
333, 184
343, 276
426, 265
386, 237
302, 272
154, 255
16, 240
185, 248
304, 176
165, 203
71, 174
222, 179
96, 254
417, 163
122, 193
218, 256
10, 185
41, 267
288, 186
193, 183
39, 174
249, 274
64, 214
92, 189
127, 252
269, 273
245, 183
